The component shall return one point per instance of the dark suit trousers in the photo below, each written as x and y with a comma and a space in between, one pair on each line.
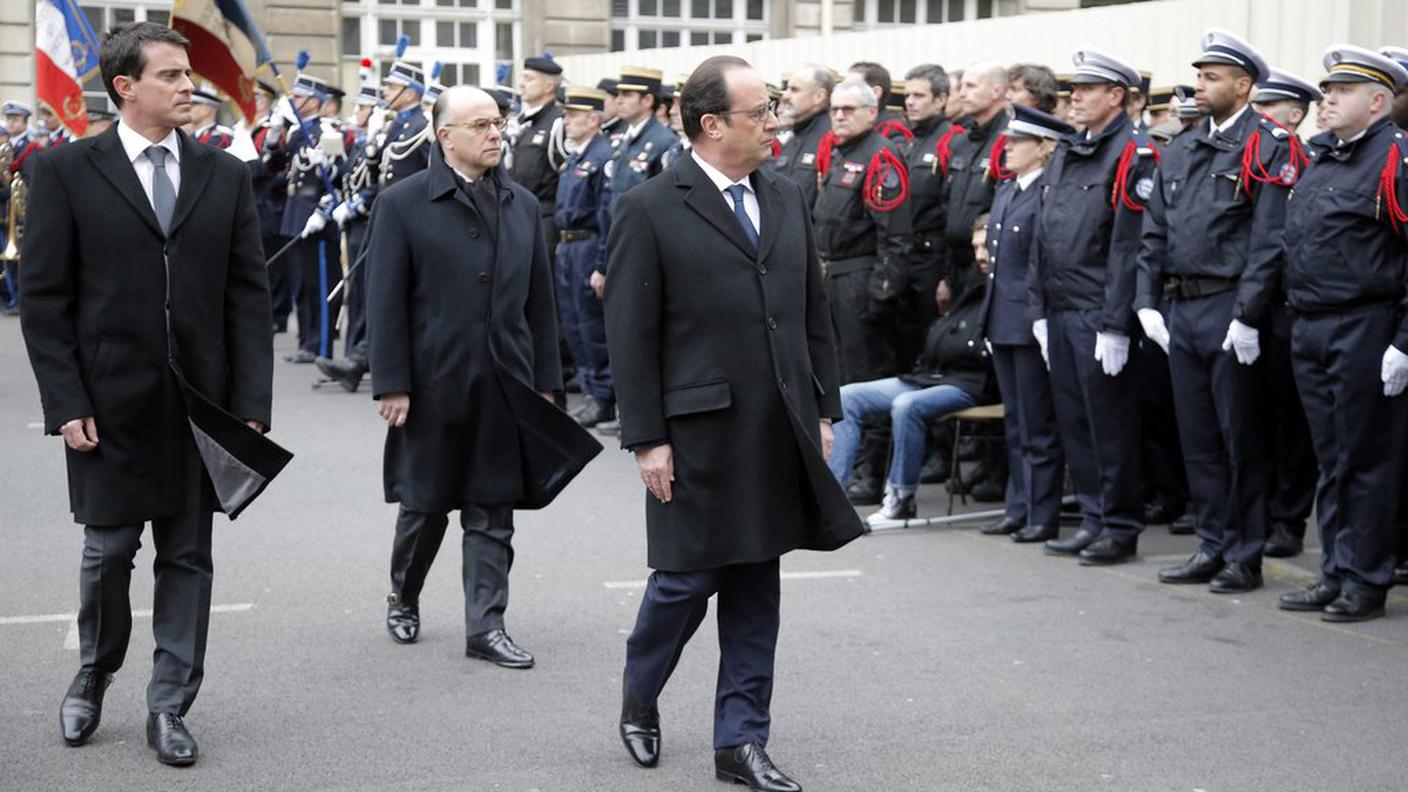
1036, 464
1219, 403
180, 602
1098, 416
280, 279
1357, 433
487, 557
354, 343
1293, 468
1165, 477
671, 610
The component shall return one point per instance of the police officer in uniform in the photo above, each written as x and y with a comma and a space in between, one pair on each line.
974, 167
805, 100
611, 126
925, 95
398, 149
581, 251
205, 109
1285, 98
269, 175
1346, 266
1082, 289
1211, 245
537, 140
25, 148
864, 240
644, 140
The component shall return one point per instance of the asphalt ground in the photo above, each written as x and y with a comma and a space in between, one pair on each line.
915, 659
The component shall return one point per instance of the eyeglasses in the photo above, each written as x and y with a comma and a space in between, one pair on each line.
480, 126
758, 114
844, 110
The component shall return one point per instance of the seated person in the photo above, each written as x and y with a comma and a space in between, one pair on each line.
953, 373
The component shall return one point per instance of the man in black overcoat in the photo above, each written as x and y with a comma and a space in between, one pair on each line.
109, 217
718, 327
463, 336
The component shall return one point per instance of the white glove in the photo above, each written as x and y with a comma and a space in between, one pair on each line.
342, 213
1039, 330
1394, 372
1243, 339
1154, 327
316, 222
315, 157
1112, 350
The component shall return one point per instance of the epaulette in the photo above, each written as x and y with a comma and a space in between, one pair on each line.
1387, 197
885, 171
943, 149
1274, 128
1139, 146
1254, 162
996, 155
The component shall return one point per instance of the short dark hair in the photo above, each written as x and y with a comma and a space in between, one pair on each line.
938, 80
980, 223
121, 52
875, 75
1039, 81
706, 91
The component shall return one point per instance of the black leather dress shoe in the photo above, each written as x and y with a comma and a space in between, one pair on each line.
499, 649
1183, 526
1107, 551
1036, 533
1282, 543
167, 735
1236, 578
988, 491
935, 469
1200, 568
594, 412
1354, 607
1072, 545
1160, 514
344, 371
612, 427
865, 491
749, 764
402, 620
640, 729
1311, 599
301, 356
1002, 527
82, 706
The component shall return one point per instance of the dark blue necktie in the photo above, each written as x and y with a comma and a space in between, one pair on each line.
735, 191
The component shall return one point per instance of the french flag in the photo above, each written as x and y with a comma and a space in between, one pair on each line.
226, 46
65, 55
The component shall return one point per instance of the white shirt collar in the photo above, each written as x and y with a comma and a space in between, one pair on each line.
136, 146
1351, 140
1025, 181
717, 177
634, 129
531, 110
1215, 127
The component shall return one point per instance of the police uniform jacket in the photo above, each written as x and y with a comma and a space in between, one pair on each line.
460, 316
534, 165
1207, 218
306, 187
639, 158
1088, 233
797, 160
1006, 315
954, 352
1342, 250
93, 291
969, 185
269, 175
852, 235
725, 352
395, 152
581, 193
928, 196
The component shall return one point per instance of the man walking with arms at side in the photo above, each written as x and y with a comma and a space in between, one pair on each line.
718, 329
110, 216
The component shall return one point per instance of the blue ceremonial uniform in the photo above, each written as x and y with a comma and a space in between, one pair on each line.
581, 251
639, 158
269, 175
1036, 463
1211, 245
1345, 269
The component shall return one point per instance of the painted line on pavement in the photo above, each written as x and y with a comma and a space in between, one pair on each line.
822, 574
71, 636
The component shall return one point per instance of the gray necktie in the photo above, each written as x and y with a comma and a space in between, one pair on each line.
163, 193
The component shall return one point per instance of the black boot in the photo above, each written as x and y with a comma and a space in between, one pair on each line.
344, 371
402, 620
1284, 542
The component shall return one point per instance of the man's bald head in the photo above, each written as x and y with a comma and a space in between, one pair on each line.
984, 90
469, 129
460, 102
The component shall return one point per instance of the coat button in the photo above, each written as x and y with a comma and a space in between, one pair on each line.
473, 232
782, 383
772, 323
483, 277
762, 269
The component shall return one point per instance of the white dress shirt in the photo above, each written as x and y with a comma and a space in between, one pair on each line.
1215, 127
136, 147
1025, 180
633, 131
750, 198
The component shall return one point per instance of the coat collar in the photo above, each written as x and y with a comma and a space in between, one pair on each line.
440, 181
110, 157
705, 199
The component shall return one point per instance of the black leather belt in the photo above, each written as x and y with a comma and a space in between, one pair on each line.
845, 266
1192, 287
576, 235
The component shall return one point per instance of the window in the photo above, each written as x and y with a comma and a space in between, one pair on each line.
878, 13
670, 38
351, 36
698, 39
503, 41
650, 24
102, 15
646, 39
474, 40
618, 39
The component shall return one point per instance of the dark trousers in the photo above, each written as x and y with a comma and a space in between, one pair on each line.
180, 600
1165, 477
583, 319
487, 558
671, 610
280, 282
1035, 462
1358, 435
918, 309
354, 294
316, 264
861, 343
1293, 470
1220, 405
1098, 416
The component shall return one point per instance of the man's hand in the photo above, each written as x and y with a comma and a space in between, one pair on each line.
1393, 372
943, 296
1112, 350
598, 283
395, 408
828, 439
657, 470
81, 434
1155, 329
1244, 341
316, 223
257, 426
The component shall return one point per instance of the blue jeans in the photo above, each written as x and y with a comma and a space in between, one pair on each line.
911, 409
